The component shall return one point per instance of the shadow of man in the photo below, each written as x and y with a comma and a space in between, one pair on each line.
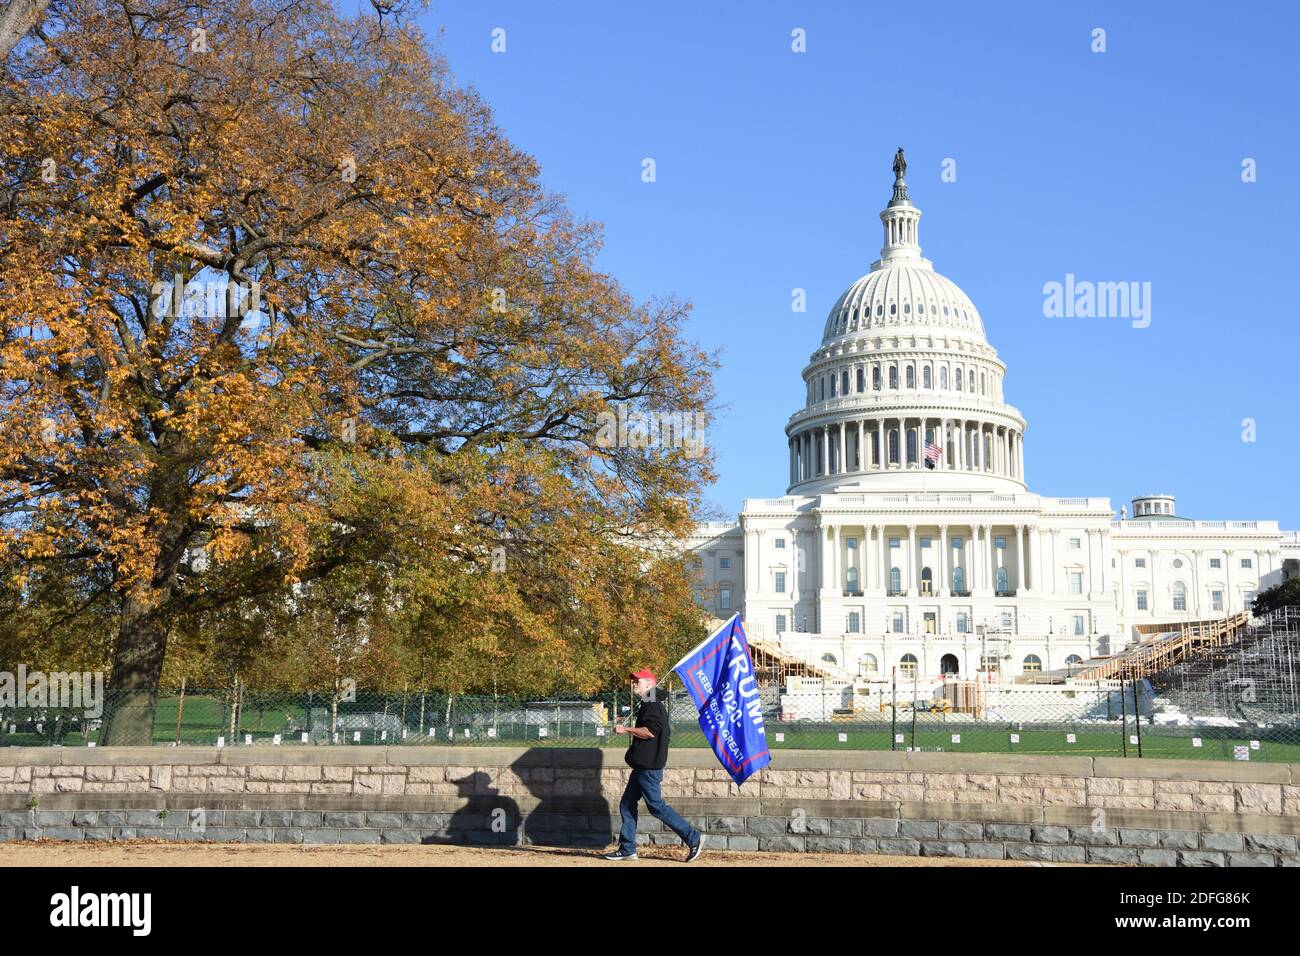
488, 818
571, 812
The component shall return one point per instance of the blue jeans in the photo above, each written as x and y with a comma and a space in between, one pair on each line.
645, 783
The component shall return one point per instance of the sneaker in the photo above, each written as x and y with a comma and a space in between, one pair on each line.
696, 850
620, 855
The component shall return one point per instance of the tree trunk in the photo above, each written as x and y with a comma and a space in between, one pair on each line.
16, 18
137, 668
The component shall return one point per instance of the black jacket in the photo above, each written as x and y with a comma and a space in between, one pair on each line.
651, 714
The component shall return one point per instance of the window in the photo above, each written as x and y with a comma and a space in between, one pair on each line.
1247, 563
1006, 619
1216, 563
1002, 579
927, 578
833, 380
1139, 562
852, 544
1078, 625
867, 664
1073, 659
724, 563
999, 543
895, 542
853, 579
911, 447
893, 446
925, 542
958, 375
898, 622
875, 377
1180, 596
1033, 664
724, 599
862, 385
1142, 600
780, 582
907, 664
823, 381
943, 376
855, 622
1076, 582
893, 376
958, 579
844, 383
926, 380
1076, 544
911, 377
963, 622
1216, 600
956, 543
779, 544
1249, 599
780, 624
829, 659
970, 381
1178, 562
895, 580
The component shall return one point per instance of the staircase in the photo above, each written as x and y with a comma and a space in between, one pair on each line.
1172, 644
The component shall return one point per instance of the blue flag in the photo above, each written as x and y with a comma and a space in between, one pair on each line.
719, 674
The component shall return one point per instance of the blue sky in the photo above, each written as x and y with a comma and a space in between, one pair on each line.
1119, 166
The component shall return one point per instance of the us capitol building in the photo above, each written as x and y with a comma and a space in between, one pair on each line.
872, 560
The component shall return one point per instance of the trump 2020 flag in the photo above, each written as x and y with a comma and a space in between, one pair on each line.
719, 674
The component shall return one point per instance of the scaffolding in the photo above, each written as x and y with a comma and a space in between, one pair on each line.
1255, 677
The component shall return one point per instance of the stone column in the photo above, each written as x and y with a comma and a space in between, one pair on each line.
837, 573
944, 576
882, 566
1020, 558
862, 453
1196, 581
826, 449
1035, 560
913, 563
844, 462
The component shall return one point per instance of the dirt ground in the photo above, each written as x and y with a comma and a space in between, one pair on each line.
161, 853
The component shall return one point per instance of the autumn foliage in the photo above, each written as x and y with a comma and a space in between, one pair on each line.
294, 346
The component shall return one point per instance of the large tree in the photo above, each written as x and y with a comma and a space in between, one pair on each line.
397, 352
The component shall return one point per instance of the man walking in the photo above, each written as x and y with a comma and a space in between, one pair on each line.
647, 755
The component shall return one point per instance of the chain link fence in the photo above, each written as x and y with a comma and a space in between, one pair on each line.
1100, 718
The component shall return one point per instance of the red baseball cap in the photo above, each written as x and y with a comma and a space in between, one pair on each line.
643, 672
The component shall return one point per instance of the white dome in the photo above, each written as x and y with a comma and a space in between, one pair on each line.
898, 297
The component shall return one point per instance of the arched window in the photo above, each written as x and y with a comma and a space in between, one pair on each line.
895, 580
970, 381
911, 377
893, 446
927, 581
1002, 579
875, 377
958, 374
829, 658
823, 381
853, 579
833, 384
943, 376
907, 664
862, 385
867, 664
1073, 659
1033, 664
982, 389
911, 447
1180, 596
844, 383
948, 664
893, 376
959, 579
926, 381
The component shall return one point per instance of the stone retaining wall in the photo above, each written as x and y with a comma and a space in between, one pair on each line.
1059, 809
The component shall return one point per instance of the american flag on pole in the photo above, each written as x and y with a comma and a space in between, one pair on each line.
932, 454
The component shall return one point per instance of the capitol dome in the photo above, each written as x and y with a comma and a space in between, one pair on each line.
901, 295
905, 391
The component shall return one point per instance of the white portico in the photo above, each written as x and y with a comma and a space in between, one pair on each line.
882, 556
